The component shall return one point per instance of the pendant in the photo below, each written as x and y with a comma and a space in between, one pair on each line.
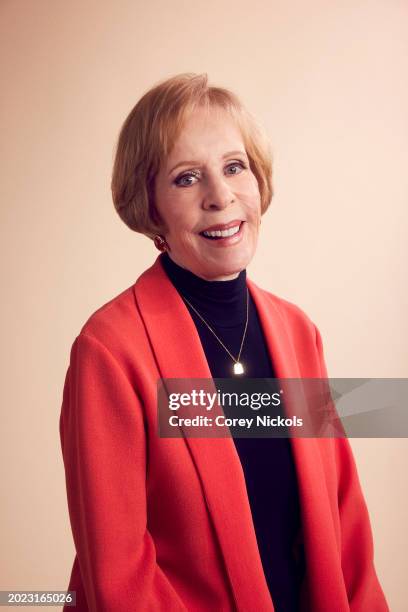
238, 368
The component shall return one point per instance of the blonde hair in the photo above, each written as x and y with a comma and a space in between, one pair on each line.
149, 133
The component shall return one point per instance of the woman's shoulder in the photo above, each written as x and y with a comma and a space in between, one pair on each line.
110, 311
115, 324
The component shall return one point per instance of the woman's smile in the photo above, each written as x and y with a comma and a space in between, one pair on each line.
226, 237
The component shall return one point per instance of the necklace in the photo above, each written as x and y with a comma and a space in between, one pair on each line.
238, 366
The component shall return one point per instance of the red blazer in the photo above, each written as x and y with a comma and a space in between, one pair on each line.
165, 523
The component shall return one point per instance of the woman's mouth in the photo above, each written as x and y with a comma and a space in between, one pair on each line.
226, 237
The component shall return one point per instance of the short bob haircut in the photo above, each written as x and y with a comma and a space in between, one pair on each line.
149, 133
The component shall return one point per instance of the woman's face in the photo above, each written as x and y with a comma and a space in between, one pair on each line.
205, 184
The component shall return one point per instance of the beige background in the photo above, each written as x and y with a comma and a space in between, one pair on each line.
328, 82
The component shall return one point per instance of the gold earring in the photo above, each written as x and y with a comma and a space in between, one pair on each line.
160, 243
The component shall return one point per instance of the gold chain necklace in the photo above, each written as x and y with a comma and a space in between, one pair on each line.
238, 366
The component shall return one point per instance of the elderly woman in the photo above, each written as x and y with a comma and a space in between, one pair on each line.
202, 524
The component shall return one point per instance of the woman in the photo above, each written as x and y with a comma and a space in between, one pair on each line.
202, 524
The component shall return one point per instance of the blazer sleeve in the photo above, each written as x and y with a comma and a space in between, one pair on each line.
357, 549
104, 451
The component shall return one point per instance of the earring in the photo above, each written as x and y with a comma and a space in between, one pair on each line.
160, 243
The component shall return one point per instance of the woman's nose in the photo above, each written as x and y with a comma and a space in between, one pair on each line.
218, 194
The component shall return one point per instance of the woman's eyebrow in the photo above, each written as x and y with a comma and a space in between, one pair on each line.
197, 163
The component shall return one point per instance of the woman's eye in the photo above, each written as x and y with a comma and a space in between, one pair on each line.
189, 178
185, 179
238, 166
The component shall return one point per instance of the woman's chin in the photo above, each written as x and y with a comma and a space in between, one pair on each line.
226, 269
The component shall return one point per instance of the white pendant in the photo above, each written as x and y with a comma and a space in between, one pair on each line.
238, 368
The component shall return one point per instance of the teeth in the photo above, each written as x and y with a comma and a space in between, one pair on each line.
223, 234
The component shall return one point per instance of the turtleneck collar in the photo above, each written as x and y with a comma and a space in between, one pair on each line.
222, 303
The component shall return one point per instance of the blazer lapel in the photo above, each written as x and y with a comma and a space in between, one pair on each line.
322, 548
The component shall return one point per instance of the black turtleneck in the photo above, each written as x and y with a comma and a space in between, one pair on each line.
267, 463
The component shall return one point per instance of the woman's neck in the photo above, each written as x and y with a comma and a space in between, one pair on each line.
223, 302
